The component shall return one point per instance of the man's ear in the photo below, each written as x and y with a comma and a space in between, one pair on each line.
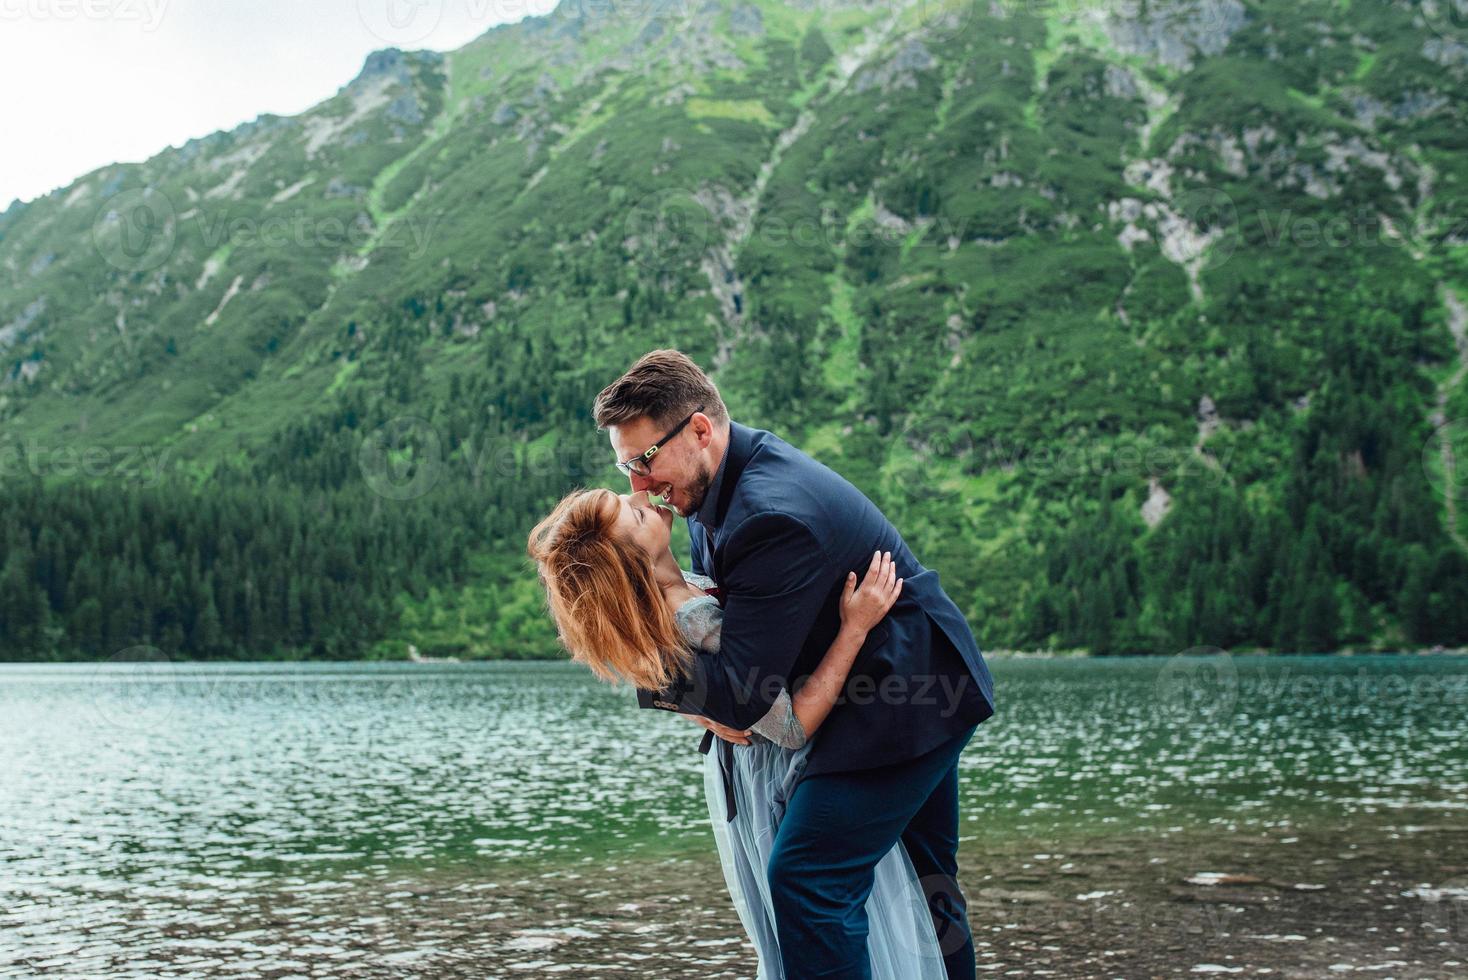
703, 429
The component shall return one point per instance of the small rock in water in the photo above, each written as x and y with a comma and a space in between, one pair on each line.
529, 942
1437, 894
1211, 878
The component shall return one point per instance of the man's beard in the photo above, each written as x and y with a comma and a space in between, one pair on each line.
698, 491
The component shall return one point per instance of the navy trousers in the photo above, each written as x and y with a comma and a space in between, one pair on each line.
836, 827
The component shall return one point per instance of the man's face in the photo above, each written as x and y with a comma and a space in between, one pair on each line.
681, 471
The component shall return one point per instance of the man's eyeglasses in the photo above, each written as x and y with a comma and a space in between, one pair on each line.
641, 464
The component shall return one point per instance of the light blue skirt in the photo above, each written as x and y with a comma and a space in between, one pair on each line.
900, 938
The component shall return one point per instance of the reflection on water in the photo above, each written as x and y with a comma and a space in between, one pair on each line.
269, 817
1245, 741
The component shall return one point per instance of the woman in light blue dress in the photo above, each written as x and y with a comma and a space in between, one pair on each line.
600, 554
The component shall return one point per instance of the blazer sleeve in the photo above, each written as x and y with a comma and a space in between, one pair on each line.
777, 577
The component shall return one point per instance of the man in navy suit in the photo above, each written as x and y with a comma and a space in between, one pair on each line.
778, 532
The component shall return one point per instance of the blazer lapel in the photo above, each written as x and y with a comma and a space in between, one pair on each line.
741, 446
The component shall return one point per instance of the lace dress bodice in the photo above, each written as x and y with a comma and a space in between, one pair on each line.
701, 619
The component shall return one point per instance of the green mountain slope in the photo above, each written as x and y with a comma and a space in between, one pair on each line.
1144, 321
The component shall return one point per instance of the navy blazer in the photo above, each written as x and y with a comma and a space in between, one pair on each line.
778, 532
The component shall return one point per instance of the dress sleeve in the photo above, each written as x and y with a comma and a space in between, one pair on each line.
780, 725
701, 619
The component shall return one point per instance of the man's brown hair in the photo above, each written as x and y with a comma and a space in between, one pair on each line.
665, 386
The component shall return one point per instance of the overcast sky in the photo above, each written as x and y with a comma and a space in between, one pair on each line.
89, 82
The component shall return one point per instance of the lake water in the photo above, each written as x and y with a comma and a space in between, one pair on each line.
269, 819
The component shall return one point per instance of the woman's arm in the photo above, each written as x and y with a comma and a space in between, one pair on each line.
790, 721
861, 609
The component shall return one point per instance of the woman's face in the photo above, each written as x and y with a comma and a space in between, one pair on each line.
647, 525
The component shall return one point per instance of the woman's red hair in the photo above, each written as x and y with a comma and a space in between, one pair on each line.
603, 595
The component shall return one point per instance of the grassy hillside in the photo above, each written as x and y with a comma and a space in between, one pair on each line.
1144, 321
